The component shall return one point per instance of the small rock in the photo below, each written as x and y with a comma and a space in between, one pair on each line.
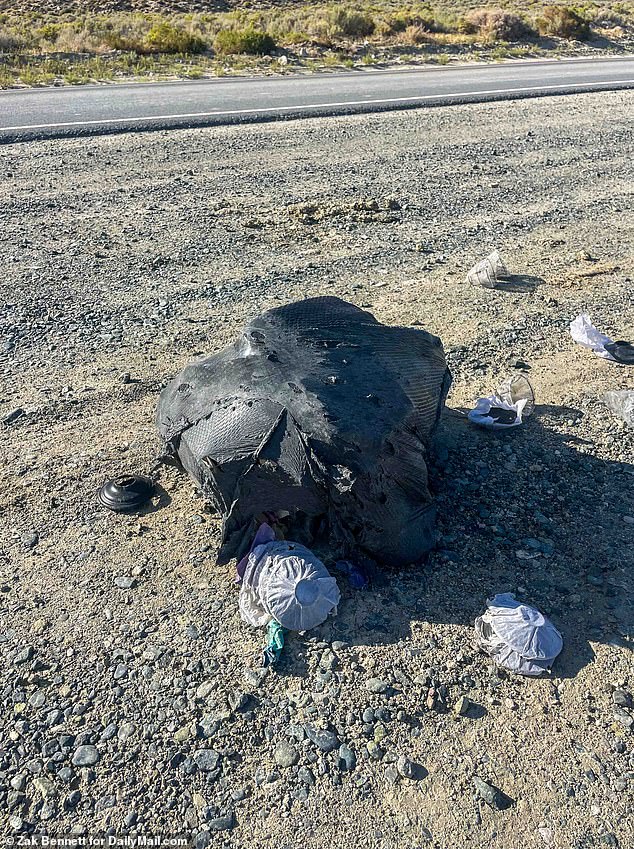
121, 671
126, 730
109, 732
391, 774
23, 656
622, 698
306, 776
347, 759
491, 795
85, 756
37, 699
18, 782
29, 541
376, 685
182, 734
12, 416
286, 755
44, 787
238, 701
324, 740
206, 759
125, 582
225, 823
405, 767
462, 706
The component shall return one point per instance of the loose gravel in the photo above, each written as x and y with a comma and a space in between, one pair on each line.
132, 700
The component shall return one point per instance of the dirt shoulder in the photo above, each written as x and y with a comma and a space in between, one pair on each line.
124, 257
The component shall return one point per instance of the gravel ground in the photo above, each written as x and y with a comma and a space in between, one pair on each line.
131, 698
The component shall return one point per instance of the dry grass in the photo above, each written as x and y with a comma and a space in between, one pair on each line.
116, 44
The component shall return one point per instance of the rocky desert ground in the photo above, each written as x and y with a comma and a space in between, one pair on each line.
133, 705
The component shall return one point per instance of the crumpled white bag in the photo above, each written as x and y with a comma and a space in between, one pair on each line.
515, 395
585, 333
517, 636
481, 414
285, 581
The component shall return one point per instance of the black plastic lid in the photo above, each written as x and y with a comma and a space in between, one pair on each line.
502, 416
623, 352
126, 493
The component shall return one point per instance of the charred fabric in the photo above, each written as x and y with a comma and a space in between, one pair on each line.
317, 413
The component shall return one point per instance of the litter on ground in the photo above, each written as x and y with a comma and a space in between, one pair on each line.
286, 582
517, 636
585, 333
126, 493
621, 403
508, 407
488, 272
322, 413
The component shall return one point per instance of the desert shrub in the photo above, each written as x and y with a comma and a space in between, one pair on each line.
9, 43
394, 24
415, 34
607, 18
498, 25
352, 24
164, 37
251, 41
563, 22
49, 32
70, 39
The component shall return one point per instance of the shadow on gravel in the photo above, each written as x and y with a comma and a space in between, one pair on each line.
160, 500
523, 511
519, 283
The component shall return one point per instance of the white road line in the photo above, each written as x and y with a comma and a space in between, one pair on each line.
309, 106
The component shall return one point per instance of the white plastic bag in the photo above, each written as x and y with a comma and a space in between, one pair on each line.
285, 581
585, 333
517, 636
621, 402
512, 403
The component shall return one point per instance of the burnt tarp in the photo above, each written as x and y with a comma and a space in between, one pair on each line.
320, 411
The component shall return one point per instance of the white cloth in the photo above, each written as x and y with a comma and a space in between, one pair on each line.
285, 581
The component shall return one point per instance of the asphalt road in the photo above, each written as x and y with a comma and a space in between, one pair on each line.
97, 109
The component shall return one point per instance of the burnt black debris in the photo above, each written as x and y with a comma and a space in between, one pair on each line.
320, 411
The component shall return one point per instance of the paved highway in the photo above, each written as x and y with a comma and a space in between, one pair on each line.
97, 109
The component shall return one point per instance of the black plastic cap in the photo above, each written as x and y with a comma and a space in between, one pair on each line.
126, 493
623, 352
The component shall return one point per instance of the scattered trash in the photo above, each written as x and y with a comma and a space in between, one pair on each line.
264, 534
518, 637
126, 493
488, 272
286, 582
622, 352
274, 643
512, 403
622, 404
320, 411
357, 579
585, 333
